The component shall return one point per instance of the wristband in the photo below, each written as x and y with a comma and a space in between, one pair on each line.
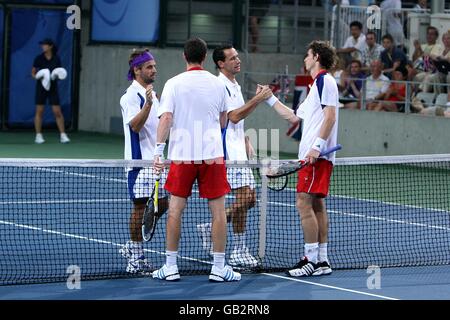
319, 144
159, 149
272, 100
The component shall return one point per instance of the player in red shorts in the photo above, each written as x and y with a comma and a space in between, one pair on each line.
319, 113
193, 108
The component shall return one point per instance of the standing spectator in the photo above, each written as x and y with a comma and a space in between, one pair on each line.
47, 69
391, 10
372, 51
258, 9
377, 84
391, 57
355, 44
421, 6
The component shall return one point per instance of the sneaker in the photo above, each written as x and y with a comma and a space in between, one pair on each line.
305, 268
138, 265
224, 275
242, 258
64, 138
167, 273
205, 234
39, 138
325, 266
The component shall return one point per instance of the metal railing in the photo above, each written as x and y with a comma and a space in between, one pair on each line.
286, 90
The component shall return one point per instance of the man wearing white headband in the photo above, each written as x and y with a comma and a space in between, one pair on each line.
47, 70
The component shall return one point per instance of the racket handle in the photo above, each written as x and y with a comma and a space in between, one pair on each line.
331, 150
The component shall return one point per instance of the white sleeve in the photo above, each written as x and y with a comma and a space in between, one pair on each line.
361, 44
227, 102
130, 106
385, 86
348, 43
330, 93
167, 102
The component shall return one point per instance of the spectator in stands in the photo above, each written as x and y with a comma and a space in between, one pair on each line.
258, 9
372, 51
391, 57
377, 84
395, 95
421, 6
355, 44
353, 85
391, 10
443, 74
339, 74
422, 53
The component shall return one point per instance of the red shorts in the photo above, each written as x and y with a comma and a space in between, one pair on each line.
315, 179
211, 178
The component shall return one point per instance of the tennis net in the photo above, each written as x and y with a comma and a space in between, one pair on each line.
56, 214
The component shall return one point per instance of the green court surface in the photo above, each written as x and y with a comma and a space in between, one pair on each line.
83, 145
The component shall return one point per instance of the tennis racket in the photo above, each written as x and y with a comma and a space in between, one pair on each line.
278, 175
151, 215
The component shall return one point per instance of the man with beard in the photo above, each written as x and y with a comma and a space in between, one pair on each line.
139, 107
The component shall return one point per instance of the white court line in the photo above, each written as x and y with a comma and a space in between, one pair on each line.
75, 236
330, 287
81, 201
288, 189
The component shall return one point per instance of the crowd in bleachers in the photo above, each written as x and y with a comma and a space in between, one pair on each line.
379, 75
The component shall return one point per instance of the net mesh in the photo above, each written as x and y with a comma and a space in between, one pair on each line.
56, 214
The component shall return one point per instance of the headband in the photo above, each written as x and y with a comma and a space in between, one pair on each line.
139, 60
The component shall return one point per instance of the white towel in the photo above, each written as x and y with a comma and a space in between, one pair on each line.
44, 76
59, 73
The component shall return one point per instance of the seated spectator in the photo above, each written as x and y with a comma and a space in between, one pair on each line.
354, 44
391, 56
377, 85
371, 52
353, 85
442, 75
339, 74
395, 95
422, 58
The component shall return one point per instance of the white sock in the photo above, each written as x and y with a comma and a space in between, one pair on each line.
311, 251
219, 259
171, 258
323, 253
137, 249
239, 241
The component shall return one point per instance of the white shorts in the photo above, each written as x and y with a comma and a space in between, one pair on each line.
141, 183
240, 177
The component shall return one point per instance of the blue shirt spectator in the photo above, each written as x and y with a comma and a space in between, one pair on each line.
391, 56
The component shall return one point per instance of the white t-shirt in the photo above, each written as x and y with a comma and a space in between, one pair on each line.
375, 87
196, 99
138, 145
323, 93
359, 44
235, 134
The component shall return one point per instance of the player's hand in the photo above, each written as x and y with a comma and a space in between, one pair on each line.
149, 94
158, 164
312, 156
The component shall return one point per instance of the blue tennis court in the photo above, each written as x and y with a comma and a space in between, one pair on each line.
78, 216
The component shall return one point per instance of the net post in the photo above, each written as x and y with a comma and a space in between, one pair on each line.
263, 215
